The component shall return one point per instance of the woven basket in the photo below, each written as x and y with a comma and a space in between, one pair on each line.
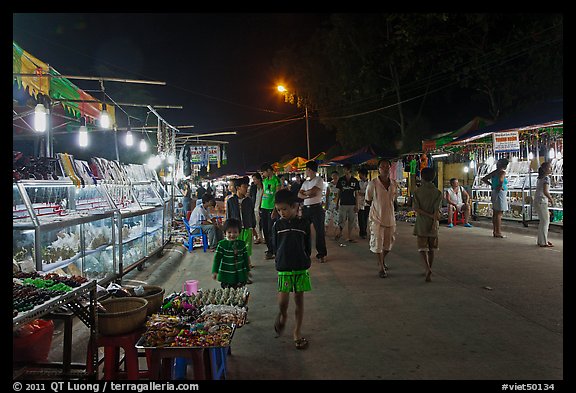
154, 295
122, 316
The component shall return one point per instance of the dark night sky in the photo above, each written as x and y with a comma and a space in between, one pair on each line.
217, 66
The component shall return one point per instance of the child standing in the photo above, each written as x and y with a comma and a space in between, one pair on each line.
231, 264
241, 207
292, 245
427, 204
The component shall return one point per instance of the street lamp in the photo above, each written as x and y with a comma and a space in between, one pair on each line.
283, 90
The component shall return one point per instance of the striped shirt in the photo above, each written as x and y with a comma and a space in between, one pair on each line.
231, 261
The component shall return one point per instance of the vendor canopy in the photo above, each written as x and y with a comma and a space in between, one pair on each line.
543, 114
48, 82
440, 140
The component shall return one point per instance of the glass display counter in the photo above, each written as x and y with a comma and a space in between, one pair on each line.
60, 227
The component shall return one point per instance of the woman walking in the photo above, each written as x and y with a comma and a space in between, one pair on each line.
541, 199
256, 191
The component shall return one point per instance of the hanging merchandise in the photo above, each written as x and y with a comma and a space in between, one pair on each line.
224, 157
187, 165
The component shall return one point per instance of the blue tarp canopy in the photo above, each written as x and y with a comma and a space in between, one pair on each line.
543, 114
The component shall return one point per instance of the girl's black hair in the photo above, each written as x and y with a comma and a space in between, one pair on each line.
232, 223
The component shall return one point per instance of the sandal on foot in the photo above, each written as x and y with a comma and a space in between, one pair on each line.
278, 326
301, 343
383, 274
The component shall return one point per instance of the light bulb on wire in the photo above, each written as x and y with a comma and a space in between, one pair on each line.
143, 145
129, 138
40, 116
104, 118
83, 133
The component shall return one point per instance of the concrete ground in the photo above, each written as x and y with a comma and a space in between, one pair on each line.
493, 311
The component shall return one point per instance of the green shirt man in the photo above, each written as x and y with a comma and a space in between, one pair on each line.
271, 185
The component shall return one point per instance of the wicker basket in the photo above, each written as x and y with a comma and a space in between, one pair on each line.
122, 316
154, 295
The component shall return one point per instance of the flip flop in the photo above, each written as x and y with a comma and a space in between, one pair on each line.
301, 343
278, 327
382, 274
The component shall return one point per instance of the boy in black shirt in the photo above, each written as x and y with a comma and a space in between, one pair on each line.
291, 242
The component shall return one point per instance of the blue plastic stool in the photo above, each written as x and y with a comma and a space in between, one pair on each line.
191, 236
217, 364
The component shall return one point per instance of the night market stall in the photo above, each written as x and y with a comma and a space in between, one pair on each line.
527, 138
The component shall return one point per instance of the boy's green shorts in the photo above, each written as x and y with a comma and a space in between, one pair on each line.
294, 281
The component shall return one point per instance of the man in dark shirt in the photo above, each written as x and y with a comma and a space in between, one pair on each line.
347, 201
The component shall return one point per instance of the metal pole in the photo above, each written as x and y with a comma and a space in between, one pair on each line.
49, 146
307, 133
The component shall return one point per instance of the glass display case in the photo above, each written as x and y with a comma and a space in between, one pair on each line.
520, 193
60, 227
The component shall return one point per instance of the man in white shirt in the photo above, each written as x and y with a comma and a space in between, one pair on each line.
311, 193
380, 196
458, 200
201, 217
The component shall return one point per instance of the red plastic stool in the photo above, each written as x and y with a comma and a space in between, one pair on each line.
456, 220
112, 345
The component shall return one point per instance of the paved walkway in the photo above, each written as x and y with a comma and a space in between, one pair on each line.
493, 311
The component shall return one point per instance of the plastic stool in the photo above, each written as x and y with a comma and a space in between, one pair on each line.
217, 364
112, 345
456, 220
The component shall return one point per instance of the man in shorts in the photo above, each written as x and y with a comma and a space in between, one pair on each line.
380, 195
427, 204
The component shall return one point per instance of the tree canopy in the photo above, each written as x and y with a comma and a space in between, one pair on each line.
387, 79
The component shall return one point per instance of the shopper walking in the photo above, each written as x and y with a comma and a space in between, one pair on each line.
427, 204
380, 196
541, 199
256, 191
331, 214
311, 193
186, 197
292, 246
271, 184
499, 184
241, 207
363, 209
231, 261
347, 202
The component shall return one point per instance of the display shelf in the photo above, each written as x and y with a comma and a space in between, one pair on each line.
81, 301
53, 304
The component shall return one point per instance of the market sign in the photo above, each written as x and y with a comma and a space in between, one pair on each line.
506, 141
201, 155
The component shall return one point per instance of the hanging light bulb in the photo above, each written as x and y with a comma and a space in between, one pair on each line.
559, 155
466, 169
129, 138
104, 118
40, 118
83, 133
551, 153
530, 156
472, 164
143, 145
